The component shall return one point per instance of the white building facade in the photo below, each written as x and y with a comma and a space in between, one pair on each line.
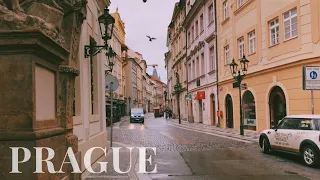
89, 106
201, 61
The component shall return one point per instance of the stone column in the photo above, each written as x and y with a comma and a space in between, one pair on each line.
37, 60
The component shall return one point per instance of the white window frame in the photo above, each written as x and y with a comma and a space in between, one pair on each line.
241, 47
212, 58
210, 10
225, 10
227, 54
289, 19
201, 23
240, 3
252, 42
274, 27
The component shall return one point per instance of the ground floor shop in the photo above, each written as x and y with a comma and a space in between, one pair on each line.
269, 96
202, 107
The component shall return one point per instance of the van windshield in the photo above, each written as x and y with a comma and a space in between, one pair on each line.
137, 111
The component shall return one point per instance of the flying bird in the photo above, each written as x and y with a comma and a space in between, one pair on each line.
151, 38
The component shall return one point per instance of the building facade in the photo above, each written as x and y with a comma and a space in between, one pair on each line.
278, 41
176, 60
89, 107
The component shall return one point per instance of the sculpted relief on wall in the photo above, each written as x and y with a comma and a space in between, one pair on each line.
45, 15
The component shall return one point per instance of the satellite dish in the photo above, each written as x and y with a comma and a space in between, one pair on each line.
111, 79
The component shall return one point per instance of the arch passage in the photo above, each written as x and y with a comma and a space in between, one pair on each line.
277, 105
229, 111
249, 111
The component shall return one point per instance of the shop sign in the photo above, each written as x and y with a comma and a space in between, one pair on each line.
188, 97
311, 77
249, 122
201, 95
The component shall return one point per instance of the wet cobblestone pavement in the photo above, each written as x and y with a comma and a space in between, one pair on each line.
183, 154
166, 138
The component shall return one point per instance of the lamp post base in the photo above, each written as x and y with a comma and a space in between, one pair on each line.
241, 130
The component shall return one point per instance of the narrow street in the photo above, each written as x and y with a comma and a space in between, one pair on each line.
184, 154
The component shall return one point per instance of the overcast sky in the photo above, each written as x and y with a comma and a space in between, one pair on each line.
151, 18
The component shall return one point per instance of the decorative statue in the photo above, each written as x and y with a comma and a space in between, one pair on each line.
12, 5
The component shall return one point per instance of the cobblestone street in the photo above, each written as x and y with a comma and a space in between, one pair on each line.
188, 154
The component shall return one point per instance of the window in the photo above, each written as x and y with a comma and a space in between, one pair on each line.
252, 42
274, 32
201, 23
240, 3
192, 33
203, 71
241, 47
226, 54
210, 15
194, 70
189, 38
225, 10
197, 68
197, 28
290, 24
212, 59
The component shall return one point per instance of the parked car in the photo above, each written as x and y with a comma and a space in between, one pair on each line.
137, 115
298, 134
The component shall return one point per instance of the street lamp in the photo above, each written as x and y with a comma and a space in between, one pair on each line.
129, 98
178, 89
106, 23
238, 76
111, 55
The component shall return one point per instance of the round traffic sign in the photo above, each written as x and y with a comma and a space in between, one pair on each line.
111, 79
313, 75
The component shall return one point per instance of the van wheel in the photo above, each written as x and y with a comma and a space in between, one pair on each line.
309, 156
265, 146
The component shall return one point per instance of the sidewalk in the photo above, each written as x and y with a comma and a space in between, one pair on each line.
248, 135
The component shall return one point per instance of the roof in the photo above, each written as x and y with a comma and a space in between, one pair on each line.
304, 116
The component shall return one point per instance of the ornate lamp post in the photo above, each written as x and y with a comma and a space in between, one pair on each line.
178, 89
129, 98
106, 23
238, 75
165, 97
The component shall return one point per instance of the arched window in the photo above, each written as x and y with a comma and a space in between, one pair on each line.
249, 111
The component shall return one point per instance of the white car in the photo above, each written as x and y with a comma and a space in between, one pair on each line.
298, 134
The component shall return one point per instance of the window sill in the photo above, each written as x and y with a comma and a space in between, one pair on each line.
270, 46
290, 39
212, 22
239, 9
212, 72
201, 32
225, 21
252, 54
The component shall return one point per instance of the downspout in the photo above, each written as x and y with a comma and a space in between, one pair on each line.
217, 65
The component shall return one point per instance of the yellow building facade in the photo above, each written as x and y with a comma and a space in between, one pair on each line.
278, 38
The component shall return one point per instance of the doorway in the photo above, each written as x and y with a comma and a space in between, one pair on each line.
277, 106
200, 112
213, 110
229, 111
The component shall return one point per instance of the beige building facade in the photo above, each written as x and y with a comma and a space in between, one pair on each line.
278, 40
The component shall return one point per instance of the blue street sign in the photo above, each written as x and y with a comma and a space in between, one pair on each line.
313, 75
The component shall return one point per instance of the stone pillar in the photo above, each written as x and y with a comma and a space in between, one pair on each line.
38, 47
33, 102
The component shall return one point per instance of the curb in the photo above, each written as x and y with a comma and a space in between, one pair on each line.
215, 133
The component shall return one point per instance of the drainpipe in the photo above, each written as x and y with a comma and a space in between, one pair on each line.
217, 65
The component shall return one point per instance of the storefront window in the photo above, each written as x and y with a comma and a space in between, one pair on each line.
249, 111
